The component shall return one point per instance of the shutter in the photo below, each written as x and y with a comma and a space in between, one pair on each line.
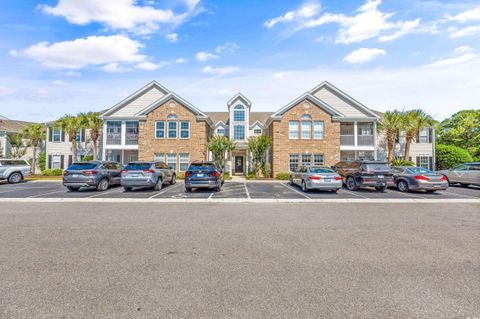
63, 135
418, 161
418, 136
397, 138
430, 162
70, 160
50, 132
430, 135
49, 165
62, 159
82, 137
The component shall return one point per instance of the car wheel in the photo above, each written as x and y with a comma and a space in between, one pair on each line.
351, 185
380, 188
334, 190
464, 185
158, 185
291, 181
127, 188
304, 187
188, 189
431, 190
102, 185
73, 188
173, 180
15, 178
402, 186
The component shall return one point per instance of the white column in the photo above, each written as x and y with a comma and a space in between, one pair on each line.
230, 164
375, 140
247, 159
355, 137
104, 139
124, 131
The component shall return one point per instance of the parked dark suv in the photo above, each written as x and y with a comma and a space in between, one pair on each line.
96, 174
204, 174
359, 174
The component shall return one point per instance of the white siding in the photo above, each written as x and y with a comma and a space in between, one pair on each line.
338, 103
139, 103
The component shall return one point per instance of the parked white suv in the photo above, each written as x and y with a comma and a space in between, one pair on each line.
14, 170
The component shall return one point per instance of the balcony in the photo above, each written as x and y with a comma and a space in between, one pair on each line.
114, 138
347, 140
365, 140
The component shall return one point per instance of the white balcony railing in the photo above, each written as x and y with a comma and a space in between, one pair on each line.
347, 140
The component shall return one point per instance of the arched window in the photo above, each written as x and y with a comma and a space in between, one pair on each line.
306, 117
239, 113
172, 117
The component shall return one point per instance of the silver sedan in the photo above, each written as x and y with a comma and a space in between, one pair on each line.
464, 174
408, 178
316, 177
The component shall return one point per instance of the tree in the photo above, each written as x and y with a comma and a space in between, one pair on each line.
17, 145
219, 145
258, 146
448, 156
412, 122
70, 124
94, 123
390, 125
462, 130
35, 133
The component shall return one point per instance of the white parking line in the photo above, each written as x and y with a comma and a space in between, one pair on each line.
211, 194
246, 190
166, 189
353, 193
38, 195
296, 191
111, 190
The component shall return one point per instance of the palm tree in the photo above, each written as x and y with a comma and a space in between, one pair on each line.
18, 148
219, 145
413, 121
390, 124
70, 124
258, 146
35, 133
94, 123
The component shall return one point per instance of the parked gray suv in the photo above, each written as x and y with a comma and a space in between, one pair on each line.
147, 174
98, 174
14, 170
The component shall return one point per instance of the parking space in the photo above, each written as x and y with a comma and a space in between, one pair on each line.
231, 190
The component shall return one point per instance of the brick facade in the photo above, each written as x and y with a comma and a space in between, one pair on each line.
195, 146
282, 146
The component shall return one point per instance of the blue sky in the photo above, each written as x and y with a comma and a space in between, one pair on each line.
67, 56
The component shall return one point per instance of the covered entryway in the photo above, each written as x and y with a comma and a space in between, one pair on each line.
239, 162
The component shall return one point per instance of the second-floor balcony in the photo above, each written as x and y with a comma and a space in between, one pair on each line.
347, 140
357, 134
365, 140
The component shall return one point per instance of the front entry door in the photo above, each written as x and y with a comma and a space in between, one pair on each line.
238, 164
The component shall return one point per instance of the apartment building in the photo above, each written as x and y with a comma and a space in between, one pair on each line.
8, 126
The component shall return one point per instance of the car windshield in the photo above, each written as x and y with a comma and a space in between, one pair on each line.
81, 166
201, 167
419, 170
321, 170
376, 167
137, 166
12, 162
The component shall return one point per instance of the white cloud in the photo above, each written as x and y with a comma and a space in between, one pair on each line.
114, 68
71, 73
464, 32
406, 27
149, 66
181, 61
172, 37
363, 55
461, 55
227, 47
93, 50
119, 14
205, 56
59, 82
466, 16
307, 10
220, 70
4, 91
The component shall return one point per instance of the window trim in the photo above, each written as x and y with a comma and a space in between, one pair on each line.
157, 130
59, 134
290, 162
223, 129
322, 131
244, 133
182, 130
168, 130
180, 161
309, 131
315, 162
176, 160
290, 131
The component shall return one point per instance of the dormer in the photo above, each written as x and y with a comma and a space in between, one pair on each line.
239, 116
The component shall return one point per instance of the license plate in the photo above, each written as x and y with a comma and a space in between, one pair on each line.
200, 175
327, 180
134, 175
437, 186
74, 175
380, 176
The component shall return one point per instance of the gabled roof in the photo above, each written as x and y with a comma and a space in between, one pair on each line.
257, 123
360, 106
171, 96
311, 98
135, 95
239, 96
12, 126
261, 117
218, 117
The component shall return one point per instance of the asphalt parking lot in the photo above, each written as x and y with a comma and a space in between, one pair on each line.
231, 190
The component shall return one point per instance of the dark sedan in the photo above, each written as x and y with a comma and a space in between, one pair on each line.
98, 174
408, 178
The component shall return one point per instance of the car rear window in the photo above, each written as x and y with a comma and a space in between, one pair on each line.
137, 166
201, 167
12, 162
419, 170
81, 166
375, 167
321, 170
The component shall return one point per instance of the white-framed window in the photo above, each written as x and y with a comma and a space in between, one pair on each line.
220, 131
239, 132
160, 129
401, 137
172, 161
424, 161
159, 157
293, 162
318, 160
318, 127
172, 117
306, 130
257, 131
307, 159
78, 138
114, 132
56, 161
239, 113
56, 134
293, 130
184, 159
424, 135
184, 129
172, 129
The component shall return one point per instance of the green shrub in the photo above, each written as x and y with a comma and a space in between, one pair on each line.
42, 160
402, 162
448, 156
180, 175
284, 176
251, 176
226, 176
266, 170
52, 172
87, 158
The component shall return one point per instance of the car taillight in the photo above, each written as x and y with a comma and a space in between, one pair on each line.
443, 178
338, 178
215, 174
123, 171
89, 172
314, 178
421, 178
65, 172
149, 171
186, 174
